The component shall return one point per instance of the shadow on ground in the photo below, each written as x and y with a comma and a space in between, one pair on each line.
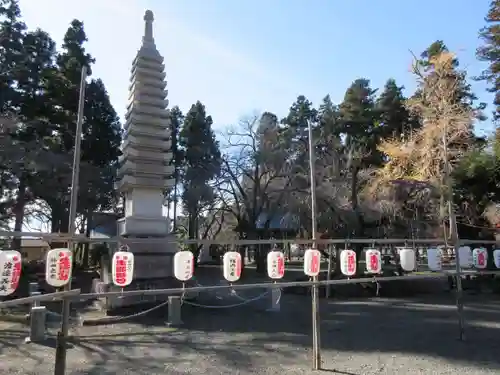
245, 337
250, 338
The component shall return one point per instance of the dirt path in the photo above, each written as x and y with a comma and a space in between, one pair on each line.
358, 337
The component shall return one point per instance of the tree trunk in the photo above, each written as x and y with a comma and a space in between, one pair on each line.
175, 203
19, 212
55, 220
260, 253
59, 222
193, 235
359, 230
86, 246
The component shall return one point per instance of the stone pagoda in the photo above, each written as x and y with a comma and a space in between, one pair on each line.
146, 172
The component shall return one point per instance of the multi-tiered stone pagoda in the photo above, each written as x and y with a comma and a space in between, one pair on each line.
146, 172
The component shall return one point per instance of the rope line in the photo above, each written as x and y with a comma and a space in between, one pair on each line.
119, 319
232, 292
242, 303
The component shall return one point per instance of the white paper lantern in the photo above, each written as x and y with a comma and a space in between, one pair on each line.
183, 265
407, 259
465, 254
231, 266
480, 258
58, 267
348, 262
312, 262
373, 260
434, 259
496, 257
275, 264
10, 271
122, 268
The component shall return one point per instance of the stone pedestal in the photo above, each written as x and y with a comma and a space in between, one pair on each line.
153, 269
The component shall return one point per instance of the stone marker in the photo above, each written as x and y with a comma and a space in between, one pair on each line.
174, 311
38, 319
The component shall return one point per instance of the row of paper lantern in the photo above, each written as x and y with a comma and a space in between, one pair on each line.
10, 271
57, 272
232, 261
59, 264
468, 258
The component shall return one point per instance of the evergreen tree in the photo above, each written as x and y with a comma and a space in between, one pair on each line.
359, 122
176, 120
101, 141
33, 109
395, 120
202, 162
12, 31
359, 125
490, 53
101, 135
295, 133
28, 62
301, 112
329, 126
295, 124
268, 122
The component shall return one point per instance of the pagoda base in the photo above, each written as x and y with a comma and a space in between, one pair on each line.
115, 303
153, 260
142, 226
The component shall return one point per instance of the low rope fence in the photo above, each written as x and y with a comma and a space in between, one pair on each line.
180, 296
76, 295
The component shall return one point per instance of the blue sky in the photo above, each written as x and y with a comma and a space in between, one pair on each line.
242, 56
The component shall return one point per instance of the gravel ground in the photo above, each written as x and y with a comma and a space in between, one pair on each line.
362, 337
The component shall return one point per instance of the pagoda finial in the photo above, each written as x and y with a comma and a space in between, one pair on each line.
148, 28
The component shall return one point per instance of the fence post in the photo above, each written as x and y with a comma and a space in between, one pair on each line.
37, 316
174, 311
38, 319
275, 299
329, 271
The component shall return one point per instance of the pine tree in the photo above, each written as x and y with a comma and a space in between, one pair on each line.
101, 135
12, 31
202, 162
329, 126
359, 122
101, 141
28, 62
176, 120
395, 120
295, 128
490, 52
301, 112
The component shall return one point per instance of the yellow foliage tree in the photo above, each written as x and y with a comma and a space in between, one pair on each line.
429, 153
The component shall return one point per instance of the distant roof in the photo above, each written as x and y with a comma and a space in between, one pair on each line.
104, 224
33, 242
